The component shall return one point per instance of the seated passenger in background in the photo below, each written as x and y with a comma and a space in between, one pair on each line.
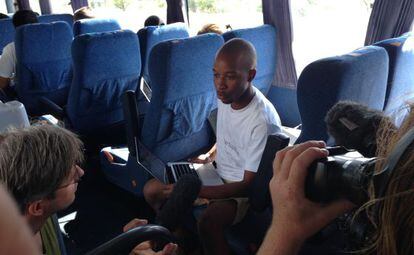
153, 20
8, 58
245, 119
40, 167
85, 12
210, 28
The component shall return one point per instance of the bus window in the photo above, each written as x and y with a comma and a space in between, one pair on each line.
3, 8
34, 5
131, 14
323, 28
61, 6
237, 13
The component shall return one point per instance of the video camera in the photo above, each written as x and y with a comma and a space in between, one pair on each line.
344, 174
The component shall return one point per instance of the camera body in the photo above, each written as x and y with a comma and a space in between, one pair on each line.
344, 174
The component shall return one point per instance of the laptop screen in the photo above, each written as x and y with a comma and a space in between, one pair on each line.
149, 161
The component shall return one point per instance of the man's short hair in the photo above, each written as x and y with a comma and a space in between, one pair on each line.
24, 17
83, 13
35, 161
210, 28
153, 20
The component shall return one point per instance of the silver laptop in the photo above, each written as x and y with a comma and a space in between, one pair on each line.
171, 172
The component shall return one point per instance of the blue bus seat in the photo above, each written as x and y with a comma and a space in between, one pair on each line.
263, 39
43, 66
150, 36
359, 76
105, 66
286, 104
183, 97
6, 33
49, 18
85, 26
400, 86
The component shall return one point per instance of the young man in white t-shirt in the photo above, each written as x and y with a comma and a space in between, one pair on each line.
245, 119
8, 57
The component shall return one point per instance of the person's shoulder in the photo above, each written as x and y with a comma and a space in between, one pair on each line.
9, 47
265, 109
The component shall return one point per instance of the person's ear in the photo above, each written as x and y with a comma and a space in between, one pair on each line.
36, 208
251, 75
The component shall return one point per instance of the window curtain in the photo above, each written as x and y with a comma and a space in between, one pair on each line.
23, 4
175, 11
389, 18
277, 13
45, 7
76, 4
10, 6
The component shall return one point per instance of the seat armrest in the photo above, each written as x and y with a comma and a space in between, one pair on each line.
52, 108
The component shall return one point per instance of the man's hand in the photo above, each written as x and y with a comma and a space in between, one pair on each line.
205, 158
201, 159
145, 247
295, 217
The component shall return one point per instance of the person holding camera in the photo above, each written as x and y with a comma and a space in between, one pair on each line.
295, 218
390, 211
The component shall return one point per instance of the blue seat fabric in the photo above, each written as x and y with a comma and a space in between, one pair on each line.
400, 85
49, 18
183, 96
151, 35
105, 66
359, 76
85, 26
6, 33
263, 39
44, 70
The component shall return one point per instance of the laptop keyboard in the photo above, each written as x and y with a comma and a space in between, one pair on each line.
183, 169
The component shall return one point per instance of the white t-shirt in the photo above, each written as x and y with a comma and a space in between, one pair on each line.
242, 136
8, 61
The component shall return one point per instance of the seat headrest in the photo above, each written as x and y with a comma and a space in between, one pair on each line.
182, 67
66, 17
106, 55
46, 41
85, 26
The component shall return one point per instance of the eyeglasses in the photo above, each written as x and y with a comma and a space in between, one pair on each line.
75, 179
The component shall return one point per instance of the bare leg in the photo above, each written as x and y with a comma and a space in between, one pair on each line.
156, 193
216, 218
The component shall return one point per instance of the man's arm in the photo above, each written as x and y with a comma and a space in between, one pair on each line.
235, 189
4, 82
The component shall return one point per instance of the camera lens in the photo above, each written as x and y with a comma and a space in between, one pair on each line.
340, 176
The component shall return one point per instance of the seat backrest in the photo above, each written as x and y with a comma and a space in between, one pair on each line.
360, 76
150, 36
183, 95
6, 33
43, 63
49, 18
400, 87
105, 65
263, 39
85, 26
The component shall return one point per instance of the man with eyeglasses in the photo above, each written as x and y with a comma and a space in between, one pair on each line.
39, 166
